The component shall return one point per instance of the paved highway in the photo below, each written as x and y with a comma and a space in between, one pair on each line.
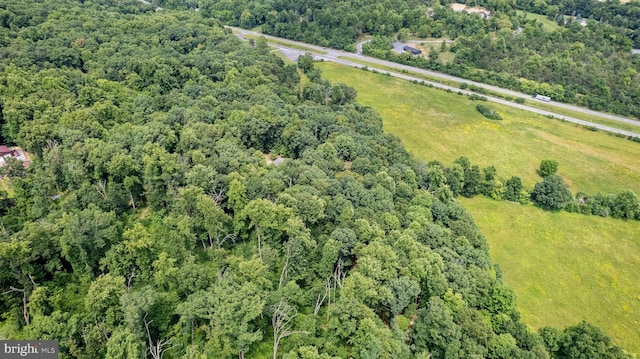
342, 57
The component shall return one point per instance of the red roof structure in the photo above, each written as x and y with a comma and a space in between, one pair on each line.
4, 150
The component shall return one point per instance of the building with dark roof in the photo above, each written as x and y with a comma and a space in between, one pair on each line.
413, 50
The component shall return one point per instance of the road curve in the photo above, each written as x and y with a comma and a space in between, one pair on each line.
339, 56
359, 46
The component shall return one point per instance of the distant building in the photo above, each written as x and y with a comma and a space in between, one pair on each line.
15, 152
635, 51
413, 50
4, 150
478, 10
542, 98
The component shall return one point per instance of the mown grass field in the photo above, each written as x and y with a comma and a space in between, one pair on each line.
548, 25
566, 267
434, 124
449, 56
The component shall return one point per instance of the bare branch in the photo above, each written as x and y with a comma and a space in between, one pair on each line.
13, 289
283, 315
319, 301
101, 187
338, 274
217, 195
51, 144
155, 348
25, 309
285, 270
220, 242
130, 278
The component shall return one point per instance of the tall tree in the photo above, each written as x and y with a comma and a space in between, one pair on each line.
552, 193
264, 215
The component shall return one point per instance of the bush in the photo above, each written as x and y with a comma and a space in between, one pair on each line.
477, 89
548, 167
520, 100
488, 112
474, 97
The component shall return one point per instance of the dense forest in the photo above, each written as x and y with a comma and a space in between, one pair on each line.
190, 197
589, 65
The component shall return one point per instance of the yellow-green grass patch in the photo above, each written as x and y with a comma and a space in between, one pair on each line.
444, 57
547, 24
435, 124
566, 267
449, 56
5, 185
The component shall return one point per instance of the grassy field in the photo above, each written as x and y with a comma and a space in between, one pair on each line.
434, 124
566, 267
449, 56
547, 24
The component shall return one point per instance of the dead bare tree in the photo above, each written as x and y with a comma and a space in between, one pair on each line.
25, 308
157, 348
338, 274
319, 301
285, 270
283, 315
51, 144
101, 187
130, 278
220, 239
217, 195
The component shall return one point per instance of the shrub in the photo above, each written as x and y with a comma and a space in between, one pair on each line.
548, 167
475, 97
488, 112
